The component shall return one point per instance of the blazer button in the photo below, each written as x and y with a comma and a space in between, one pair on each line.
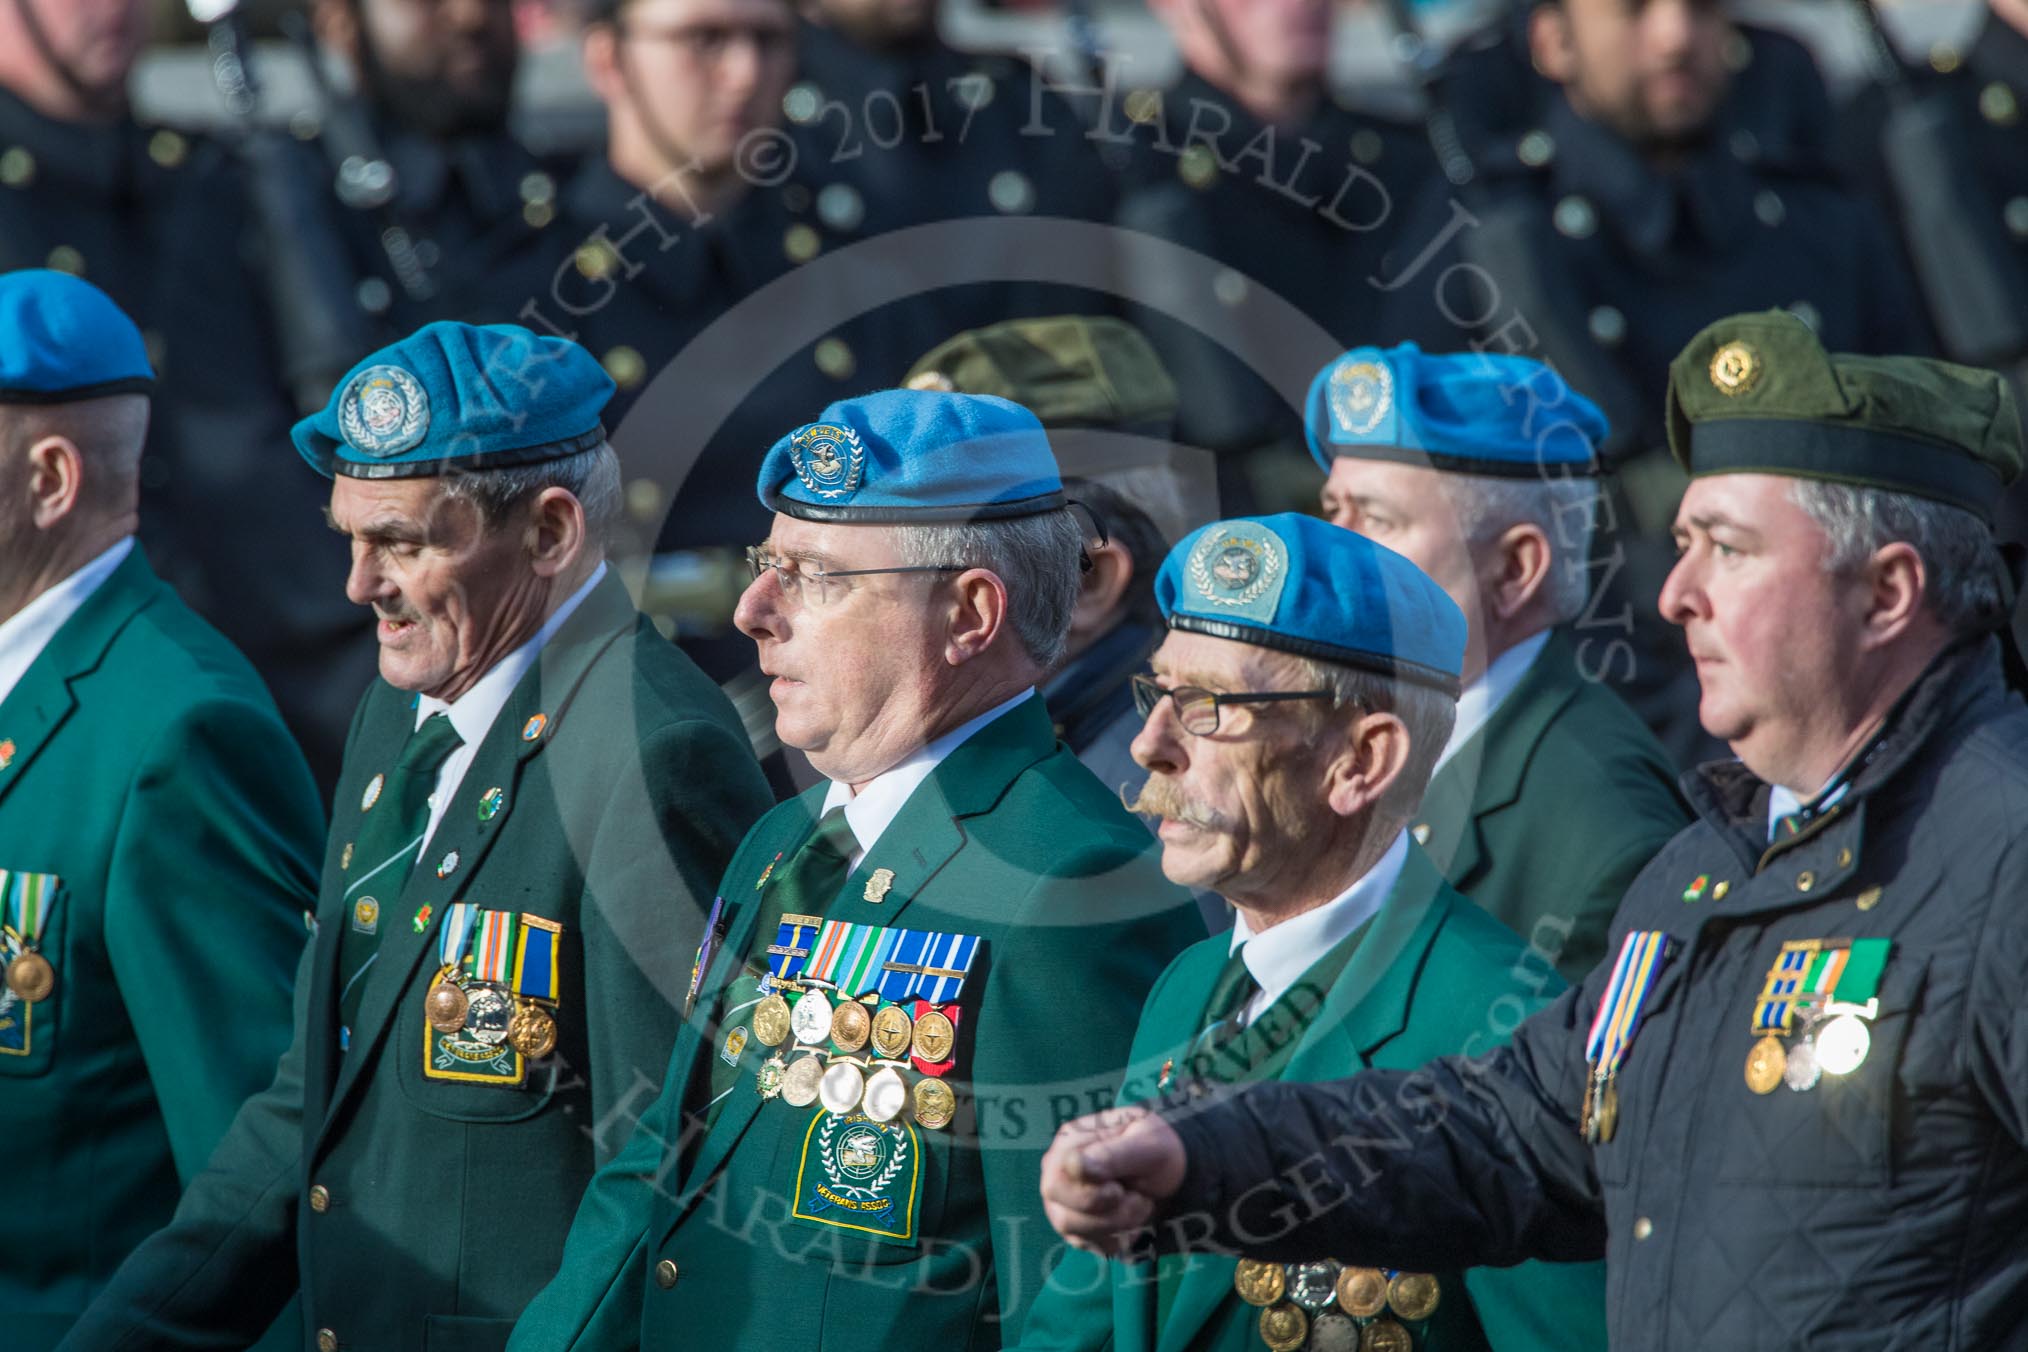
666, 1273
320, 1199
1643, 1227
327, 1341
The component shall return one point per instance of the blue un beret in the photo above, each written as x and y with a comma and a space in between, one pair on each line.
913, 456
1466, 412
62, 339
1311, 588
458, 397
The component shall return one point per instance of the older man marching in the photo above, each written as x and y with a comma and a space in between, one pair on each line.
537, 795
923, 962
1307, 683
1792, 1112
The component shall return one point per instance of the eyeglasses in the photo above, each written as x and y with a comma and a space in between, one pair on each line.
709, 44
815, 586
1197, 708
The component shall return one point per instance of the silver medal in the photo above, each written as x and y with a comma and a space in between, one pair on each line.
886, 1095
811, 1019
1802, 1071
488, 1015
842, 1087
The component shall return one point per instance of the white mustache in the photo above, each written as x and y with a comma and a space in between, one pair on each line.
1159, 798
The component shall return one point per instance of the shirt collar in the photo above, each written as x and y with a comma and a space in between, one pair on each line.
870, 811
1479, 700
473, 712
28, 631
1278, 957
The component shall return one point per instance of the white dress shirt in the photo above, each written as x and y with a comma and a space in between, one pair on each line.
1478, 701
29, 630
473, 712
1277, 957
873, 808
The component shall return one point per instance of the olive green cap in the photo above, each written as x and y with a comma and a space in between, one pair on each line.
1070, 370
1758, 394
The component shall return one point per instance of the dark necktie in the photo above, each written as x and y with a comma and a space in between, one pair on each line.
384, 853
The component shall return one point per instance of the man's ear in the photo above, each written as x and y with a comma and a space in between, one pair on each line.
601, 59
558, 535
1549, 42
1519, 571
976, 615
1896, 580
1099, 591
1374, 755
55, 480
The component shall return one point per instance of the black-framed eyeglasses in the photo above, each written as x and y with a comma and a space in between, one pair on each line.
1197, 708
814, 585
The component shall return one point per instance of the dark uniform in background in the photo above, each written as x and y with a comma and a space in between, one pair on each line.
1865, 1182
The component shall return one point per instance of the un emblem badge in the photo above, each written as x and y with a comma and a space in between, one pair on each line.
1362, 395
384, 412
1240, 567
829, 459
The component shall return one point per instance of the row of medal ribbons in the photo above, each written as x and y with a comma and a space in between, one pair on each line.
498, 979
886, 1044
1327, 1306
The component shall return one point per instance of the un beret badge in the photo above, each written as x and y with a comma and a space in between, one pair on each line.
1362, 394
1240, 567
384, 412
829, 459
1735, 369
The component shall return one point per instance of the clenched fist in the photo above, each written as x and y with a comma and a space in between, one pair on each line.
1104, 1175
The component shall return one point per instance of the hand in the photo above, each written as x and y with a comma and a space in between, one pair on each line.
1104, 1175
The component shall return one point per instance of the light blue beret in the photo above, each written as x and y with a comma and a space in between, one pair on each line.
1466, 412
1308, 587
458, 397
62, 339
913, 456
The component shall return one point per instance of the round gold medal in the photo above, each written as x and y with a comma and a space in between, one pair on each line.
893, 1032
1384, 1335
31, 977
1414, 1295
1284, 1327
1258, 1283
935, 1104
850, 1025
1765, 1064
934, 1036
1362, 1291
1607, 1117
445, 1006
532, 1032
800, 1081
771, 1021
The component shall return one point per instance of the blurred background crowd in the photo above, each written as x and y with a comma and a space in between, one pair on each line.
745, 209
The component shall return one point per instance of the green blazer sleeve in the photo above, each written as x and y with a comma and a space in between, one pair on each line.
204, 913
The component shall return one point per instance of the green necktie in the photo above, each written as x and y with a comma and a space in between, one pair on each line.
385, 852
806, 884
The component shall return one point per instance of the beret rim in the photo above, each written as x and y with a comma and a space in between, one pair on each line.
78, 393
515, 458
1444, 461
1864, 457
941, 513
1400, 668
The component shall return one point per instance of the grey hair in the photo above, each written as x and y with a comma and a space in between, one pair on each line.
1428, 713
1964, 586
1564, 509
1035, 558
592, 477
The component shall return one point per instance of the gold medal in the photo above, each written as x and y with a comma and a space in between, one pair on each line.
1362, 1291
1765, 1064
532, 1031
799, 1081
1607, 1116
935, 1104
1384, 1335
31, 977
446, 1005
893, 1032
934, 1036
771, 1021
850, 1026
1258, 1283
842, 1087
1413, 1295
1284, 1327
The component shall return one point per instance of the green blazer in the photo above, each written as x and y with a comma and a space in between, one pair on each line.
143, 764
690, 1234
1432, 976
419, 1212
1544, 817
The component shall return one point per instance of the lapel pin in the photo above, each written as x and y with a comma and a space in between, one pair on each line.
372, 794
877, 885
345, 856
449, 865
1695, 891
490, 804
532, 729
422, 918
762, 881
6, 752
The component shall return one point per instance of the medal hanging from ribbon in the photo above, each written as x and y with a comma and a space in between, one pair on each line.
1614, 1027
1829, 986
707, 948
29, 899
498, 982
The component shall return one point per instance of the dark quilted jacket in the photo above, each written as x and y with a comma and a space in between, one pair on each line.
1887, 1208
